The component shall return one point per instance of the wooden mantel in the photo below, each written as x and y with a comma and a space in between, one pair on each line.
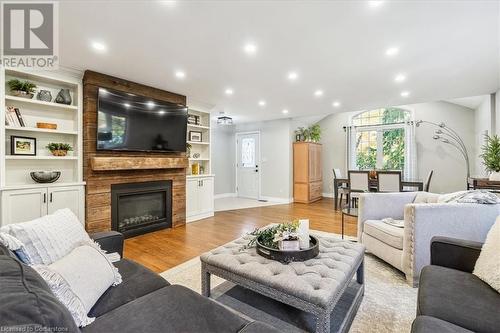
137, 163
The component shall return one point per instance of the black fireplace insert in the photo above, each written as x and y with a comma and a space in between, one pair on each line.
138, 208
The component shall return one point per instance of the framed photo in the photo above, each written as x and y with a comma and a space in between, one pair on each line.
195, 136
20, 145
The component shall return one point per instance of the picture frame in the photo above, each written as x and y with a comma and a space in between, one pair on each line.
193, 119
22, 145
195, 136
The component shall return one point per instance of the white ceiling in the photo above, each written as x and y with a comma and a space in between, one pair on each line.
469, 102
448, 49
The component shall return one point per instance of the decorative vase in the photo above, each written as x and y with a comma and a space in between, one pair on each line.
44, 95
59, 152
63, 97
45, 176
495, 176
22, 94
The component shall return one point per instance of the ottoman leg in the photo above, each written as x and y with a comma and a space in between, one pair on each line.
323, 323
360, 273
205, 282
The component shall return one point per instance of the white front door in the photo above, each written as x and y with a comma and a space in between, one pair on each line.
248, 164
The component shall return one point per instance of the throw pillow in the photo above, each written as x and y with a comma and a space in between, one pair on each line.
487, 266
79, 279
46, 239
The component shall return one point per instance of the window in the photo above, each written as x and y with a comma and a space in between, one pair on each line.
380, 139
248, 152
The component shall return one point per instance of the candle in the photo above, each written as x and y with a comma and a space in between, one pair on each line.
304, 234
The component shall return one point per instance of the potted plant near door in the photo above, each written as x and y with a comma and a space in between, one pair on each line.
491, 156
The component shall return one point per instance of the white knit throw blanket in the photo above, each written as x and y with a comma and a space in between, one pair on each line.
475, 196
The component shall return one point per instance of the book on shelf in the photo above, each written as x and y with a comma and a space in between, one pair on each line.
13, 117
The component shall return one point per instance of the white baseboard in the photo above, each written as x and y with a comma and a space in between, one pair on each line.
277, 199
224, 195
327, 195
197, 217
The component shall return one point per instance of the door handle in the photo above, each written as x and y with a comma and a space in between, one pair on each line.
201, 183
44, 197
256, 170
50, 198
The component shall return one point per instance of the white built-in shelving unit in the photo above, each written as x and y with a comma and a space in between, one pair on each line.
200, 187
21, 197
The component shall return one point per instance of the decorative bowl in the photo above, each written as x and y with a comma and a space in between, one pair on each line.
22, 94
45, 176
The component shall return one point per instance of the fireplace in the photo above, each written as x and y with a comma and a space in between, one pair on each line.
138, 208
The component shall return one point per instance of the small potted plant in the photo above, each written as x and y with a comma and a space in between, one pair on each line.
24, 89
315, 133
59, 149
491, 156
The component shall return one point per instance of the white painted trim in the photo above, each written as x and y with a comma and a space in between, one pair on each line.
199, 217
277, 199
259, 193
225, 195
327, 195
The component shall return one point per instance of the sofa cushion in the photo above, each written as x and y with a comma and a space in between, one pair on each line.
390, 235
458, 297
170, 309
27, 302
137, 281
425, 324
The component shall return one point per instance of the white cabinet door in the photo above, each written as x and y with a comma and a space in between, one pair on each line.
23, 205
192, 202
67, 197
206, 195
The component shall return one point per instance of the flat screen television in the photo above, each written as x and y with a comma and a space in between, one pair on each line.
128, 122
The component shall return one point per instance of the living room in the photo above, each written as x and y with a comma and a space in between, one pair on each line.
250, 166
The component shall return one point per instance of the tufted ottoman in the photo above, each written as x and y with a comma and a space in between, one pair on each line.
314, 286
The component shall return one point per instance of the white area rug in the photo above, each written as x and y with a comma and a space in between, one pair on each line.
389, 304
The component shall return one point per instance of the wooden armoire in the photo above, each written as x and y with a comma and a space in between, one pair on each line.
307, 172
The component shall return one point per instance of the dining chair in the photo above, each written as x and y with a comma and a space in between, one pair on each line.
427, 183
342, 189
389, 181
359, 182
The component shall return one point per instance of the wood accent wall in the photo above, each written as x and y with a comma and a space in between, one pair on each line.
98, 189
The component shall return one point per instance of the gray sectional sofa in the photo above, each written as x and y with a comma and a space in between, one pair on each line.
450, 298
143, 302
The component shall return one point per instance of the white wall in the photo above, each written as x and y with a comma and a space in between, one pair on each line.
223, 159
446, 161
483, 125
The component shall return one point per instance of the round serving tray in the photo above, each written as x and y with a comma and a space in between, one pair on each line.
289, 256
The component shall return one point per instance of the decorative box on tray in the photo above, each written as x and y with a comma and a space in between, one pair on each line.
286, 242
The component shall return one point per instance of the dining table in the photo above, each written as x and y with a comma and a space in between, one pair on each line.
415, 183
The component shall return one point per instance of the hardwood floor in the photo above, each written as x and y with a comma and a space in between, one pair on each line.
167, 248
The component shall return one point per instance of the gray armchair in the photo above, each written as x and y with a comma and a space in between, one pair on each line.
450, 298
408, 248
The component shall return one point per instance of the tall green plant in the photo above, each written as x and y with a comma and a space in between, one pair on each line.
491, 153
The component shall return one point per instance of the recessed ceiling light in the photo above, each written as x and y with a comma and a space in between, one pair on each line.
169, 3
292, 76
262, 103
405, 93
126, 105
400, 78
336, 104
98, 46
151, 104
229, 91
375, 4
318, 93
250, 48
180, 74
284, 111
392, 51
